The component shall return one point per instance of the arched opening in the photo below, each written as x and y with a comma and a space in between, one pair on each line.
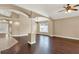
13, 23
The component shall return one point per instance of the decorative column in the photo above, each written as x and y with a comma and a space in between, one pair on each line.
32, 34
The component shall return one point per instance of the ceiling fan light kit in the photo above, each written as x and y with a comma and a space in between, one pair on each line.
69, 11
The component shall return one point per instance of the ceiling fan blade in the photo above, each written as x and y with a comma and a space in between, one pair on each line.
60, 10
76, 5
75, 9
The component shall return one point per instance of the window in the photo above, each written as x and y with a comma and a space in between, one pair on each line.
43, 27
3, 27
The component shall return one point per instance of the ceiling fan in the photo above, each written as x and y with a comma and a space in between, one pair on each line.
69, 8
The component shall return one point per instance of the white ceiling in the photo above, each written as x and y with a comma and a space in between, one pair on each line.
49, 10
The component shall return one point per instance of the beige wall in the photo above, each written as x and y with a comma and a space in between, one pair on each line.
68, 27
63, 27
23, 28
50, 28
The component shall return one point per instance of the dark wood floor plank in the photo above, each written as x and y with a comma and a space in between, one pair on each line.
45, 45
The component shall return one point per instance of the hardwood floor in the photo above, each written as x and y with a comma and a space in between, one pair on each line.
65, 46
45, 45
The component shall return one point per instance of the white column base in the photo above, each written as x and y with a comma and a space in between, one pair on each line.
32, 42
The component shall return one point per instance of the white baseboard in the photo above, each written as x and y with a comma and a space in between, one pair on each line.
47, 34
67, 37
20, 35
32, 42
51, 35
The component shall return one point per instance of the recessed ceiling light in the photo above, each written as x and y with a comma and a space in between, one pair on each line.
10, 22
